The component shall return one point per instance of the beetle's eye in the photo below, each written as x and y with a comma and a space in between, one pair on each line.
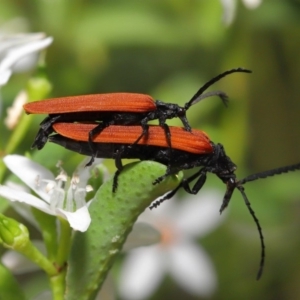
181, 111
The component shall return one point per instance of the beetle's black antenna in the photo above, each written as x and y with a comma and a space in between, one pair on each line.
262, 243
220, 94
211, 82
269, 173
240, 187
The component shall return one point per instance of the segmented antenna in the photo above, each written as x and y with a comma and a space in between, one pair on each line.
253, 177
223, 96
211, 82
269, 173
261, 237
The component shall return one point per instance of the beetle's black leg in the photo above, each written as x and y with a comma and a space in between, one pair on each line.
199, 183
94, 132
145, 131
169, 171
166, 197
230, 187
119, 166
185, 184
44, 131
168, 135
185, 123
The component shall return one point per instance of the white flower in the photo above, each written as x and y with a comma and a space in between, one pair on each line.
19, 52
58, 196
180, 223
229, 8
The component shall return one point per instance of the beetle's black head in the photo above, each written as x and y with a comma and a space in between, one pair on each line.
180, 111
169, 111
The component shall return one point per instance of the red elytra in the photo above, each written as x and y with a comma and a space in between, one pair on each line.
196, 142
119, 102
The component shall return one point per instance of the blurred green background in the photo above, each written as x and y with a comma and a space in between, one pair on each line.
168, 49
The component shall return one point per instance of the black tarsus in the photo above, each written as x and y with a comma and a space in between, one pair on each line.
115, 181
118, 162
185, 185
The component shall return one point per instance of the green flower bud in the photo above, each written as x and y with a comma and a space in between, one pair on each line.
13, 234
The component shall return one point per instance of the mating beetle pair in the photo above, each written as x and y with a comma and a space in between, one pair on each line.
118, 129
116, 109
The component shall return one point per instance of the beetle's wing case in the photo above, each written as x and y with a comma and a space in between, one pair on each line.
117, 102
196, 142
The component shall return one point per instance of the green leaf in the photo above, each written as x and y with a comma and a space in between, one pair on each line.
113, 215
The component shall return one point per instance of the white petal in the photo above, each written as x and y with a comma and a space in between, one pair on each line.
25, 63
17, 53
4, 76
141, 273
199, 214
25, 211
252, 4
79, 220
10, 40
84, 171
193, 269
17, 186
142, 234
29, 171
229, 10
14, 195
167, 210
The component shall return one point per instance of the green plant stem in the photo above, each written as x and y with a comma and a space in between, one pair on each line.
15, 140
64, 243
37, 257
57, 283
48, 230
